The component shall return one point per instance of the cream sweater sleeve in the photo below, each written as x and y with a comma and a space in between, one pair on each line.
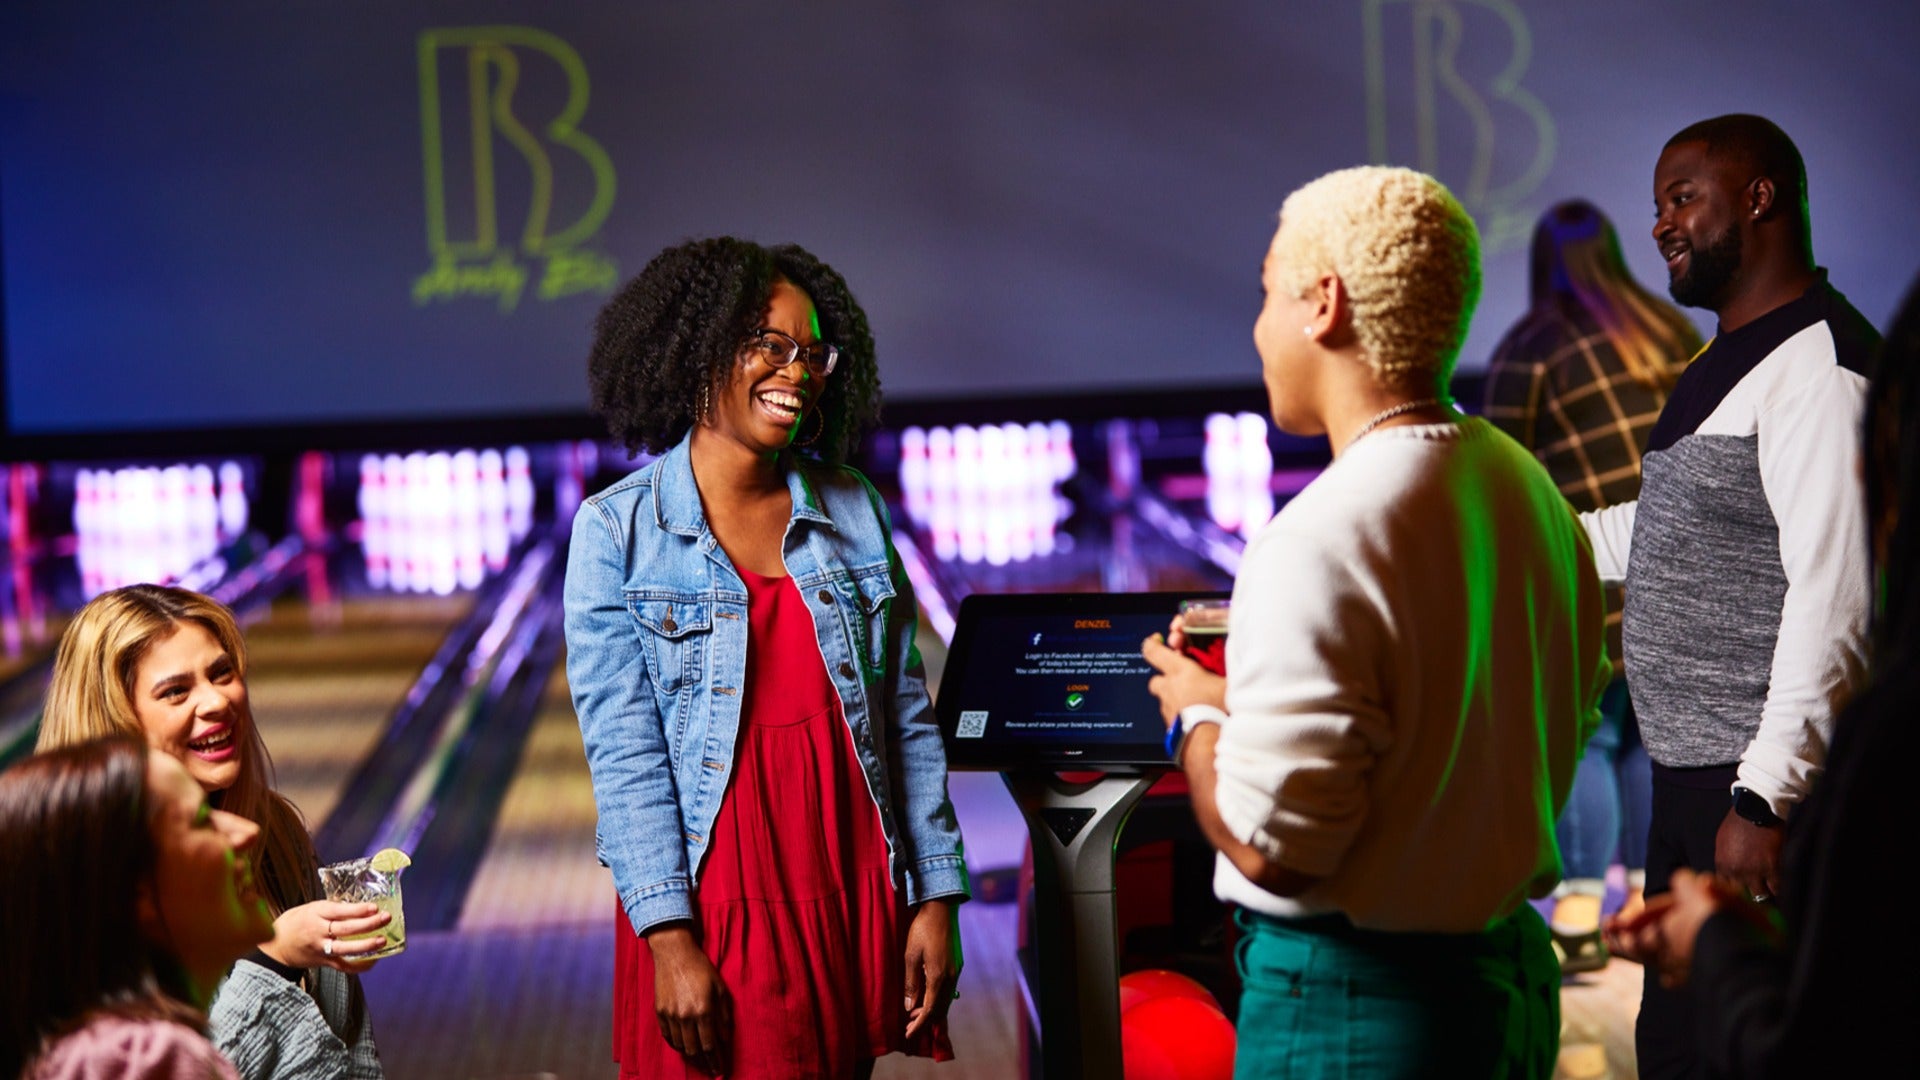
1304, 728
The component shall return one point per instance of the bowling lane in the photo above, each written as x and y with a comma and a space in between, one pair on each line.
522, 985
324, 680
540, 868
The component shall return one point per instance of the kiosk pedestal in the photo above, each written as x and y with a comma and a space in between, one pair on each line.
1036, 683
1070, 972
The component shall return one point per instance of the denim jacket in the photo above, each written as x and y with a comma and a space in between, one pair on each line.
656, 622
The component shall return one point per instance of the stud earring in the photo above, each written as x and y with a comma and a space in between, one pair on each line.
1307, 330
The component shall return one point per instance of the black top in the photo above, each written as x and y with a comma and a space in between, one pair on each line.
1730, 356
291, 974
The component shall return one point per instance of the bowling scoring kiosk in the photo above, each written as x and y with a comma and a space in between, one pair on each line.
1037, 684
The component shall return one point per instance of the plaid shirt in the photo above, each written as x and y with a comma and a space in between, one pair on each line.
1557, 386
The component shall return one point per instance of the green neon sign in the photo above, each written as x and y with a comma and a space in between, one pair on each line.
481, 265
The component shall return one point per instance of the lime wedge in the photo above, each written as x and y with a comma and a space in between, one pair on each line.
389, 860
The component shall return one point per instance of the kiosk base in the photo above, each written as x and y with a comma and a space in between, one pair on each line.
1070, 973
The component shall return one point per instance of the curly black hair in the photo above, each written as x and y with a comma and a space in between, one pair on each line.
678, 326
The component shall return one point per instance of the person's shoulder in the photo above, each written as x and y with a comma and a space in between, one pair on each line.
629, 489
270, 1025
1495, 461
618, 504
1351, 496
838, 476
1540, 336
1856, 344
245, 992
841, 488
1411, 473
122, 1048
1482, 439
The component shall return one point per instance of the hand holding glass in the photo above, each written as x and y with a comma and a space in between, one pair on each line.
374, 880
1205, 624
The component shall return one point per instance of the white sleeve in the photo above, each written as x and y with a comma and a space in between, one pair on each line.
1809, 452
1304, 724
1610, 530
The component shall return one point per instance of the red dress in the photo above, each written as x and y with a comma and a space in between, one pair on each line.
794, 904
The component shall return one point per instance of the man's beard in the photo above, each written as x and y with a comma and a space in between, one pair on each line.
1710, 270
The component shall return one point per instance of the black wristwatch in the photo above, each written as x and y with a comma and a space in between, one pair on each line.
1751, 807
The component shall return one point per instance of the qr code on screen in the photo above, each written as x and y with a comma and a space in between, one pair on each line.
973, 724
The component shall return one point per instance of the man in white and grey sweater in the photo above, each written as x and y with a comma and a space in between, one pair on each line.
1744, 556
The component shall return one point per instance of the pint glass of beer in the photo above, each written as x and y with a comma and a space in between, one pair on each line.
1206, 628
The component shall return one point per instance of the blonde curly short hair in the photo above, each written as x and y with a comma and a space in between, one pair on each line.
1407, 254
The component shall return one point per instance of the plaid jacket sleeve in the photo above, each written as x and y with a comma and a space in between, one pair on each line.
1516, 376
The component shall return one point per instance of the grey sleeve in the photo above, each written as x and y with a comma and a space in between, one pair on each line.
335, 993
271, 1029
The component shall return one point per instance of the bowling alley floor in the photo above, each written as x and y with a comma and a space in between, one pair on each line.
519, 987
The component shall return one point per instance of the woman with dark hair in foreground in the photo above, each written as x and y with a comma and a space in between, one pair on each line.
128, 897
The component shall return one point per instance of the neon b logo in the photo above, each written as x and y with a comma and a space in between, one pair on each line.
1458, 65
499, 156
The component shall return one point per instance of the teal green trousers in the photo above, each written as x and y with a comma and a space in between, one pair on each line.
1322, 999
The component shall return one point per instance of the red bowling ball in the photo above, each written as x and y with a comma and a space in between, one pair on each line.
1139, 987
1176, 1038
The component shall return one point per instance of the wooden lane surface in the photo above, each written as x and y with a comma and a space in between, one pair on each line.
323, 684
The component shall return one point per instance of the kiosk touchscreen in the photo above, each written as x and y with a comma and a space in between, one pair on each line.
1054, 680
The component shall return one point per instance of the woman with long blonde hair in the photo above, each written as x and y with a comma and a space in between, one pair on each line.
1576, 268
169, 665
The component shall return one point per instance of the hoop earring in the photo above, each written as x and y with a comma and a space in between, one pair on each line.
819, 425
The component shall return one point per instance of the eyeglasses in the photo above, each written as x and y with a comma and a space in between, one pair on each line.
778, 350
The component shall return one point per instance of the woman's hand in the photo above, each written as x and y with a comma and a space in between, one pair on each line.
1181, 680
933, 964
693, 1006
318, 935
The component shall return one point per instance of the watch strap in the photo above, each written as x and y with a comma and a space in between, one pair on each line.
1176, 738
1189, 718
1751, 806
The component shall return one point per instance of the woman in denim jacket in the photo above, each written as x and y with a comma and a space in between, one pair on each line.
770, 779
